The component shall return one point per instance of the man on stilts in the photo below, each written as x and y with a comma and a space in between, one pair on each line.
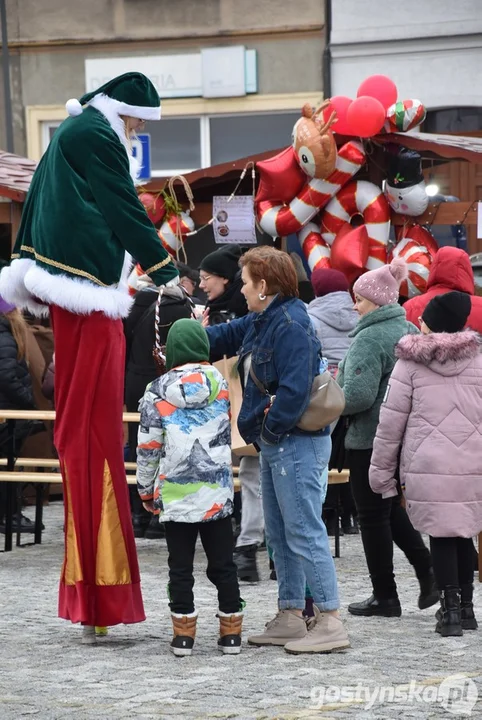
81, 222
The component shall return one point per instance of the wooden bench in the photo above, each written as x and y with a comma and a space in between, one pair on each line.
35, 473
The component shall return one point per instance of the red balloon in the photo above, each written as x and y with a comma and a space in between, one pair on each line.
154, 206
365, 117
339, 103
281, 177
349, 252
381, 88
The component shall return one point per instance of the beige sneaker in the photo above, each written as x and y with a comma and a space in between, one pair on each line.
325, 634
285, 626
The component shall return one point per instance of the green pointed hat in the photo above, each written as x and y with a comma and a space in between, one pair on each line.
132, 94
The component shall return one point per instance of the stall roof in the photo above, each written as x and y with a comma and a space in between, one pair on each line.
15, 175
448, 147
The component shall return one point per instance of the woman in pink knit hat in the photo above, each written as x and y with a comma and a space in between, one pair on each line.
363, 375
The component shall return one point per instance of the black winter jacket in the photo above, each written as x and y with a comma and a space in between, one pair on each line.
15, 382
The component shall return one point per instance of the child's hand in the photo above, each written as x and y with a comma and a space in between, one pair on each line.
149, 506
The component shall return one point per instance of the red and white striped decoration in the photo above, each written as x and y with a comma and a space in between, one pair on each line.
315, 249
418, 248
281, 220
171, 229
366, 199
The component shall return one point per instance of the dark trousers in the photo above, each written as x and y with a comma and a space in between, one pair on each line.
383, 522
217, 541
453, 561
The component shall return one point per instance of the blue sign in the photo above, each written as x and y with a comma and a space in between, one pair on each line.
141, 149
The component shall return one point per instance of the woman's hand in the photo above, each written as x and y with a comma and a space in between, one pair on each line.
149, 506
205, 318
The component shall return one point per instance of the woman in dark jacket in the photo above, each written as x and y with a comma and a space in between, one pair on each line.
220, 279
277, 344
139, 330
15, 385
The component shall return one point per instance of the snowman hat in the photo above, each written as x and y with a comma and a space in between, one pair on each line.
404, 168
131, 94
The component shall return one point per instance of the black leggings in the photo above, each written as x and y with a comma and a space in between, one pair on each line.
453, 561
217, 540
383, 522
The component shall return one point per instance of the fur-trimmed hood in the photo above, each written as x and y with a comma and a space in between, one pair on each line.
446, 353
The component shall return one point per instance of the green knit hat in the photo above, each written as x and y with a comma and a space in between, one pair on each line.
133, 94
187, 342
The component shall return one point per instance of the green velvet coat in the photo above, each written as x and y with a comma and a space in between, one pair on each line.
366, 368
82, 214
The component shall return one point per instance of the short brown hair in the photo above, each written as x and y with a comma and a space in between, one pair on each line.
273, 266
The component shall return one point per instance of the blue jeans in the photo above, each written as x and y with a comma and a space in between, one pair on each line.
293, 484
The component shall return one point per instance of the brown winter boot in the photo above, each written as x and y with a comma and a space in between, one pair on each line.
230, 626
184, 628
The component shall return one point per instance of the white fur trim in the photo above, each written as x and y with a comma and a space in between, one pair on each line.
109, 109
12, 287
137, 111
236, 614
181, 615
77, 295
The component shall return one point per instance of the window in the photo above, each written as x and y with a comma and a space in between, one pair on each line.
180, 145
48, 131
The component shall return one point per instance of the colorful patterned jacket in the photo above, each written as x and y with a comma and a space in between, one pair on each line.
184, 445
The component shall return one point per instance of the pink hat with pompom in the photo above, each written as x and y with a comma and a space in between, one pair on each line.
381, 286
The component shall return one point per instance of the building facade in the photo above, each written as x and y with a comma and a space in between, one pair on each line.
232, 74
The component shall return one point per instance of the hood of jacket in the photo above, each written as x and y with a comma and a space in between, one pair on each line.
335, 310
452, 269
190, 386
445, 353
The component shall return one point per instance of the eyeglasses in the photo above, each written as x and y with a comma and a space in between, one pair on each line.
204, 278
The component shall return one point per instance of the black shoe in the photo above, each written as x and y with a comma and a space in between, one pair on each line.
429, 595
155, 529
245, 560
388, 607
349, 525
449, 620
272, 575
26, 525
140, 523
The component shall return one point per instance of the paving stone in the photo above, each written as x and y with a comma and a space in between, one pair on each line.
46, 673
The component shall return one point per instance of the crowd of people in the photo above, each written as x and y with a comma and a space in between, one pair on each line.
409, 433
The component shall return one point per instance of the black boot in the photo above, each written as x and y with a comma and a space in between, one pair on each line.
449, 623
467, 617
245, 560
331, 520
140, 523
272, 575
349, 524
155, 529
382, 607
429, 595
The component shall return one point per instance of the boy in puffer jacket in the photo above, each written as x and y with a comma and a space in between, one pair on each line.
184, 474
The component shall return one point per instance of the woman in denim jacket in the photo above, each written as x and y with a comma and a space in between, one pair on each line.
277, 341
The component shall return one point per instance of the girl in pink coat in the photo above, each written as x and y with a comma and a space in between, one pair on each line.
433, 412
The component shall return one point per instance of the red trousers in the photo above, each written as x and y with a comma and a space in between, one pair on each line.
100, 582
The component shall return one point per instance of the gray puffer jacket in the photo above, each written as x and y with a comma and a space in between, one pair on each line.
333, 317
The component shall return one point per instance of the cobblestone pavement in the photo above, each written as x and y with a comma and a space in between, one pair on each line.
46, 673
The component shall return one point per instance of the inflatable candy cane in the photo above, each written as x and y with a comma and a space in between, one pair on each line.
173, 232
360, 198
281, 220
316, 251
418, 249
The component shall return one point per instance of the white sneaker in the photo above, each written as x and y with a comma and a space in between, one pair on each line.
88, 635
325, 634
